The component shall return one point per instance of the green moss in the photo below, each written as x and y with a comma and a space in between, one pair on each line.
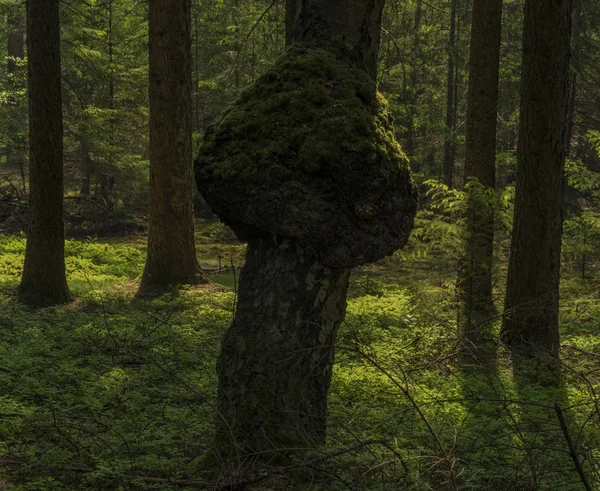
298, 153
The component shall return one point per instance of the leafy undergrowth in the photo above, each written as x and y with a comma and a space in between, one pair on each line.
114, 392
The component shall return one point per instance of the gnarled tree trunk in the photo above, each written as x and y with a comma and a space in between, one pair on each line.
315, 195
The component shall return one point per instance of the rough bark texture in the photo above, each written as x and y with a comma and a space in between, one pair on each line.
171, 256
354, 26
309, 153
531, 317
305, 167
44, 282
480, 163
277, 356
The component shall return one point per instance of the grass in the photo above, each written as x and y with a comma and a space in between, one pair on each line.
114, 392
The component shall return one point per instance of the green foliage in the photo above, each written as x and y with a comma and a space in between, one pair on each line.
581, 233
108, 384
105, 74
441, 228
112, 392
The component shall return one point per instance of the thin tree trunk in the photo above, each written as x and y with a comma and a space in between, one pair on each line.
577, 29
15, 154
44, 281
290, 15
531, 308
414, 81
449, 143
106, 196
480, 164
171, 256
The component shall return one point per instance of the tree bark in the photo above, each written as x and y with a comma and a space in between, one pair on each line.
352, 26
290, 15
44, 282
480, 163
531, 308
449, 142
415, 84
577, 29
171, 256
15, 154
277, 356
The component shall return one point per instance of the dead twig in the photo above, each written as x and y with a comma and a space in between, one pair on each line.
572, 450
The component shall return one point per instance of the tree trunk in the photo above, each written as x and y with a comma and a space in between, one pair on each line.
354, 26
449, 142
171, 256
531, 308
480, 160
290, 15
15, 154
577, 29
277, 356
415, 73
44, 282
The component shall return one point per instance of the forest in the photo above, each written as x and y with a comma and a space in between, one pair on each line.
315, 245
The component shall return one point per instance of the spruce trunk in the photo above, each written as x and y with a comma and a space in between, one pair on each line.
480, 164
531, 306
171, 256
44, 281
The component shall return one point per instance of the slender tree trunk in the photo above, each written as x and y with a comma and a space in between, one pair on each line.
171, 249
414, 81
276, 359
480, 164
44, 281
107, 177
290, 15
531, 309
449, 143
577, 30
88, 164
15, 154
196, 93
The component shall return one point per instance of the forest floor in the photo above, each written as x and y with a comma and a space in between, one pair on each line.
117, 392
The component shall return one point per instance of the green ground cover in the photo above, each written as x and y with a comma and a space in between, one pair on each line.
115, 392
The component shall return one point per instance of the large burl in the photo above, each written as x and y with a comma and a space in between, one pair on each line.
305, 168
308, 153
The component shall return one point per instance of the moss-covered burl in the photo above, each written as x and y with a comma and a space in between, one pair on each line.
309, 153
305, 167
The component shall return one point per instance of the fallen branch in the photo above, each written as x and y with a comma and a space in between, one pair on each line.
92, 202
572, 450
